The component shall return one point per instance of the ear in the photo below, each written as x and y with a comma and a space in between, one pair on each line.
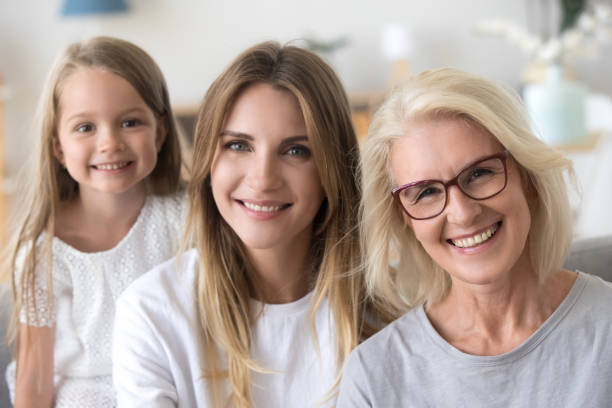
162, 132
57, 150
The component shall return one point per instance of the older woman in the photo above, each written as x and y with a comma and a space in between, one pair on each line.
477, 209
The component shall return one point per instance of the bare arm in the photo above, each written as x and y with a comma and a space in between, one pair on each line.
34, 383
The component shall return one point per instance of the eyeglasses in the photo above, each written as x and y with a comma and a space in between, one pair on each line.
480, 180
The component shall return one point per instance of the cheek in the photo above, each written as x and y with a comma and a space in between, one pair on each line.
216, 182
523, 214
221, 180
311, 186
148, 145
73, 152
427, 232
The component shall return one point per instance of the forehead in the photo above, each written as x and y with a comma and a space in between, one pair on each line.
96, 88
438, 148
264, 110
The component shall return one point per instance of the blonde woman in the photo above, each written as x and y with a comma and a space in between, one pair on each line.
266, 308
102, 208
477, 208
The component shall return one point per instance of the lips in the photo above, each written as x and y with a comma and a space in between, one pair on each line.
264, 207
112, 166
475, 239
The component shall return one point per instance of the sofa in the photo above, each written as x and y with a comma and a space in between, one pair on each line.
592, 255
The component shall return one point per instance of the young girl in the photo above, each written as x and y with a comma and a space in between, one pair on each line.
102, 209
264, 310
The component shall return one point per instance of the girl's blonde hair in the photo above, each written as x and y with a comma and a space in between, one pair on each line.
444, 93
51, 184
224, 277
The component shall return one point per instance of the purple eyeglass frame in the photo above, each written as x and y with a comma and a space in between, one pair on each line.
503, 156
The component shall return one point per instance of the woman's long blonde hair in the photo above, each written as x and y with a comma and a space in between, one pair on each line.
224, 277
50, 184
417, 278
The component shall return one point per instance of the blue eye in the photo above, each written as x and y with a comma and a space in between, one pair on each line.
130, 123
86, 127
237, 146
299, 151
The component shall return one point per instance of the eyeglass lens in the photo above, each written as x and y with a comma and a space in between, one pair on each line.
479, 181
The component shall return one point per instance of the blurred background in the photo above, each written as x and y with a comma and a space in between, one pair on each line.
372, 45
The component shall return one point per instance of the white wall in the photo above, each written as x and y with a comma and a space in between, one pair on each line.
192, 40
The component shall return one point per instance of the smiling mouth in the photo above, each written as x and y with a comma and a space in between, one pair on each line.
111, 166
263, 208
475, 239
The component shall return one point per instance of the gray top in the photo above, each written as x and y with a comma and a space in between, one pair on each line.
567, 362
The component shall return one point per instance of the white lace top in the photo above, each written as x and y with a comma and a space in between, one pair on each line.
85, 287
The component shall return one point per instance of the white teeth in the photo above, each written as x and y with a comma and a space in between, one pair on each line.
111, 166
262, 208
476, 239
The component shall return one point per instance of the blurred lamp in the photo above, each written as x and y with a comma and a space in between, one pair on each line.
83, 7
396, 42
397, 46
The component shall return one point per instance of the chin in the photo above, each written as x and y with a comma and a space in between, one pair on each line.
256, 242
479, 276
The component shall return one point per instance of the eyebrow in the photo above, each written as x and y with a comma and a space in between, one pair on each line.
246, 136
128, 111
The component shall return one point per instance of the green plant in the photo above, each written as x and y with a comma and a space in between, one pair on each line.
570, 12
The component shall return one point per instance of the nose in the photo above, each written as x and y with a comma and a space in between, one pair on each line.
461, 209
109, 140
263, 172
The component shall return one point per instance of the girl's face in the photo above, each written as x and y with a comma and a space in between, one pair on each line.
108, 136
439, 149
264, 179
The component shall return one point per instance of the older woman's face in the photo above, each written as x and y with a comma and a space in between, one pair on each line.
439, 149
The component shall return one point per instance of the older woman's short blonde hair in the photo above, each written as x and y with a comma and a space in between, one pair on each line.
446, 93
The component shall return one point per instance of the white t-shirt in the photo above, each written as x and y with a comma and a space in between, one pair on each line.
156, 346
85, 288
567, 362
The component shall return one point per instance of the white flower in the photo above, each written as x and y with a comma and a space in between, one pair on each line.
529, 44
586, 22
603, 12
491, 27
551, 51
593, 28
572, 39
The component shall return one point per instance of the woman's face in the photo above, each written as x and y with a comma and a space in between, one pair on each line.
264, 179
440, 149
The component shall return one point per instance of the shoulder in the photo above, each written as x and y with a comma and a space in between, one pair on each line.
596, 293
162, 222
382, 363
173, 206
168, 285
401, 337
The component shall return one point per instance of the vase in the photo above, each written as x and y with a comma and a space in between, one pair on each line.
557, 108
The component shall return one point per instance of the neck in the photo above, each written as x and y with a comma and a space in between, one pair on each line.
494, 319
94, 221
283, 273
103, 208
